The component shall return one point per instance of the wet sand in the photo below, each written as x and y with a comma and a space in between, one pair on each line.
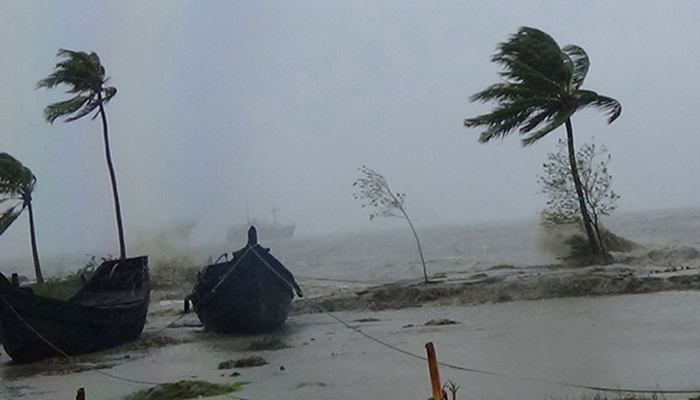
641, 341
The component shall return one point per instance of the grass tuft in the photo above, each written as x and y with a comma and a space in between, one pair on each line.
185, 390
314, 384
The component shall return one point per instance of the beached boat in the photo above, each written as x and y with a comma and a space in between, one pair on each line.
108, 310
250, 293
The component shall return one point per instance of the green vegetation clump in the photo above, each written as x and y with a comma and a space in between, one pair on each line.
63, 288
314, 384
185, 390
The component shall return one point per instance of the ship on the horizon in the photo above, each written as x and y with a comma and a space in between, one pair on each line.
266, 230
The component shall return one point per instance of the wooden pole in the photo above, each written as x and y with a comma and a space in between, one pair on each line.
434, 373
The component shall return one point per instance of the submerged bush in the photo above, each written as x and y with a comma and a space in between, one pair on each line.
569, 243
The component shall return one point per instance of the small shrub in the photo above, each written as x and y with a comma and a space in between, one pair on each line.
452, 387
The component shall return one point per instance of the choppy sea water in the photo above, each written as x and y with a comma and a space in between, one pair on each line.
390, 255
387, 256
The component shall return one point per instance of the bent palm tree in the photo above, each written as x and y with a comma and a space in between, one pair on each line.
85, 76
542, 88
17, 183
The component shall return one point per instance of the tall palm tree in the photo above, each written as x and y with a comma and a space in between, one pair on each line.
17, 183
541, 88
85, 76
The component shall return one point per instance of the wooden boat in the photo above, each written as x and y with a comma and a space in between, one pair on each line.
250, 293
108, 310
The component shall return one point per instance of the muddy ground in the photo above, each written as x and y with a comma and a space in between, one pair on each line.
648, 273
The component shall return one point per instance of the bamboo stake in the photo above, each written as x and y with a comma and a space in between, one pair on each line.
434, 373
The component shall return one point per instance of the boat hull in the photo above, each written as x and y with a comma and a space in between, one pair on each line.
109, 310
252, 293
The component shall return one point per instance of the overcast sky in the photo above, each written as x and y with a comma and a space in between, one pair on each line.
224, 105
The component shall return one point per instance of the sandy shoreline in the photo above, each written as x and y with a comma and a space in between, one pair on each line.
174, 346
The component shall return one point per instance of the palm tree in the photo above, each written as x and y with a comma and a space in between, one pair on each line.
541, 88
85, 76
17, 183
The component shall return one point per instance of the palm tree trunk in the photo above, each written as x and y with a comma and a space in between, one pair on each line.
113, 178
35, 250
593, 243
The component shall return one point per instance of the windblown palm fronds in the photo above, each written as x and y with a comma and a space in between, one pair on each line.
541, 90
17, 184
85, 77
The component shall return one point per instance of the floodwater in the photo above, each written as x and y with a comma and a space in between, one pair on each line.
534, 349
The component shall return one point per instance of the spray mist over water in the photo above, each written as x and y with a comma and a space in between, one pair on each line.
173, 260
551, 240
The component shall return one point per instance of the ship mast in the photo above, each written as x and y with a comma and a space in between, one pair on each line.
274, 210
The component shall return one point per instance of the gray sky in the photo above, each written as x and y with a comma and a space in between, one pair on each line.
224, 104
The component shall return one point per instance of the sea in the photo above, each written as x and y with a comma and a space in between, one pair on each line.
387, 256
383, 256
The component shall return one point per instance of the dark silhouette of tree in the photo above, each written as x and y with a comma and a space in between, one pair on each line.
17, 184
85, 77
541, 89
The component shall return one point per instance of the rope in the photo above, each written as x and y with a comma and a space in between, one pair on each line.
106, 374
510, 376
39, 335
370, 337
212, 292
292, 286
